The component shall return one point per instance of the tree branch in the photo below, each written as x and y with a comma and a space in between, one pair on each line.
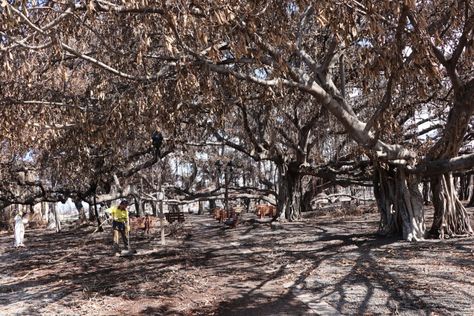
437, 167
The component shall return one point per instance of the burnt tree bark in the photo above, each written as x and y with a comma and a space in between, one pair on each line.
138, 209
310, 190
201, 208
92, 215
57, 221
400, 203
470, 197
212, 205
426, 193
450, 217
154, 209
463, 187
97, 216
80, 210
290, 195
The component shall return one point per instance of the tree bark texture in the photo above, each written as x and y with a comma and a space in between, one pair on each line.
154, 209
92, 215
400, 203
470, 196
80, 210
200, 208
138, 210
426, 193
56, 219
450, 218
212, 205
290, 195
97, 216
463, 187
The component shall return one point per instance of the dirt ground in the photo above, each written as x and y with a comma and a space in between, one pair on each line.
323, 265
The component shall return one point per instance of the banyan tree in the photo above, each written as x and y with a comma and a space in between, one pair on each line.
378, 68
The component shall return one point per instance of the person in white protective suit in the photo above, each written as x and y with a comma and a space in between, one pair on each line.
20, 222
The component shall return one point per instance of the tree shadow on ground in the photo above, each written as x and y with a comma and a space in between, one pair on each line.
54, 266
253, 269
367, 272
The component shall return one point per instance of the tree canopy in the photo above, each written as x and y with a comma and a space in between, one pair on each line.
384, 87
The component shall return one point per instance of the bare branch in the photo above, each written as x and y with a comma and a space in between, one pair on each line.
163, 71
464, 39
436, 167
305, 16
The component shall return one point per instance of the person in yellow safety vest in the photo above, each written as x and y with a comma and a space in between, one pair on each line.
120, 224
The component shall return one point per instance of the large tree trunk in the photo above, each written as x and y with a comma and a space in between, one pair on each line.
450, 218
54, 221
290, 196
97, 215
154, 209
45, 212
200, 208
400, 203
80, 210
92, 215
143, 207
310, 190
50, 216
247, 205
463, 187
212, 205
470, 196
426, 193
138, 210
57, 219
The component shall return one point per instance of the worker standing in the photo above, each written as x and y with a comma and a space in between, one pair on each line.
120, 224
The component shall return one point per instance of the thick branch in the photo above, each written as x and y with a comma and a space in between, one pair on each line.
437, 167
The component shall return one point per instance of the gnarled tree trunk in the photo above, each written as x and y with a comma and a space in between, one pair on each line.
463, 186
80, 210
92, 215
310, 190
97, 215
450, 218
470, 196
54, 221
139, 212
212, 205
426, 193
400, 203
154, 209
200, 208
290, 196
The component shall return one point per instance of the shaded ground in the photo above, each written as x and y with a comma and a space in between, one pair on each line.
321, 265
